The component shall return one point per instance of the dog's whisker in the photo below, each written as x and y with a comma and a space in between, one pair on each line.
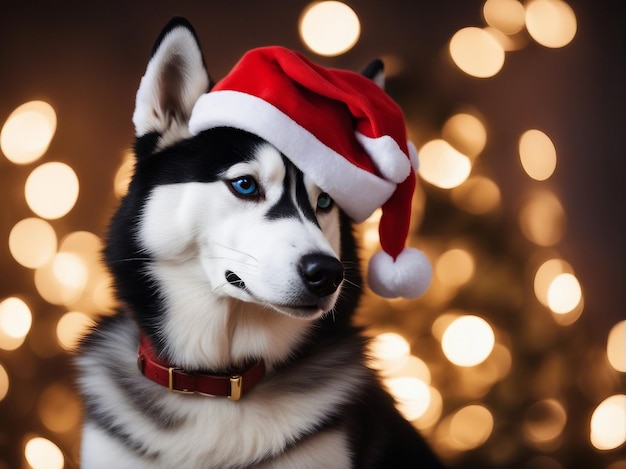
238, 251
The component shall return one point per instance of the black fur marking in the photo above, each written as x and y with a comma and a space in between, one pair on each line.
287, 207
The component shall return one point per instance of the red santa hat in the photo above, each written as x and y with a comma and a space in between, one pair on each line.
343, 131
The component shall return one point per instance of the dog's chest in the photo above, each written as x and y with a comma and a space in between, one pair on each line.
222, 434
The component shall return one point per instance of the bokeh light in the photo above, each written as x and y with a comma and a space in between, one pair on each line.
4, 382
433, 413
442, 165
329, 28
15, 323
470, 427
28, 131
69, 269
51, 190
608, 423
552, 23
466, 133
15, 317
542, 218
468, 341
387, 351
124, 174
564, 293
454, 267
478, 195
507, 16
616, 346
412, 396
544, 421
32, 242
59, 408
537, 154
476, 52
59, 281
41, 453
71, 327
545, 274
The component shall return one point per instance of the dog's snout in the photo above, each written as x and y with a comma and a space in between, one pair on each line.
322, 274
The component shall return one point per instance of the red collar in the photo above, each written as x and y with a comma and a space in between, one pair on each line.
233, 386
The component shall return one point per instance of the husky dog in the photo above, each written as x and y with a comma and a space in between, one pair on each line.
237, 278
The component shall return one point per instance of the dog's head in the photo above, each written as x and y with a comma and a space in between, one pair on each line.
218, 215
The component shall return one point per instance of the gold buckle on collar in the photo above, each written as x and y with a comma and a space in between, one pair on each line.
170, 374
235, 387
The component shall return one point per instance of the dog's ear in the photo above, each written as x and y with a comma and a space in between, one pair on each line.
174, 80
375, 71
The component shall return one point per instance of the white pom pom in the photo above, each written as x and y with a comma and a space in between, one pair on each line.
408, 276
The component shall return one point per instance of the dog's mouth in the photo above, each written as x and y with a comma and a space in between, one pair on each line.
299, 310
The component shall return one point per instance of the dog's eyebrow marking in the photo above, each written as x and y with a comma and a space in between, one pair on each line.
294, 201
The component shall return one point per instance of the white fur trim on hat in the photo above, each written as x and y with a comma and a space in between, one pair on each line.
390, 161
408, 276
358, 192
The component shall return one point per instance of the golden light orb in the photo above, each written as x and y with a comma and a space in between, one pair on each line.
442, 165
28, 131
329, 28
51, 190
537, 154
32, 242
476, 52
468, 341
552, 23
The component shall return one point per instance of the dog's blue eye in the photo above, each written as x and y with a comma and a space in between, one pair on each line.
324, 201
245, 185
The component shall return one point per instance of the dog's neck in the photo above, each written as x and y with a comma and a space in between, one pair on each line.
219, 334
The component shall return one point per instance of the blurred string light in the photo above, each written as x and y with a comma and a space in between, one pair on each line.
71, 327
564, 293
124, 174
616, 346
15, 323
59, 408
552, 23
542, 218
42, 453
537, 154
465, 132
476, 52
478, 195
468, 340
4, 382
455, 267
481, 52
27, 132
544, 421
32, 242
608, 423
466, 429
51, 190
407, 378
329, 28
506, 16
442, 165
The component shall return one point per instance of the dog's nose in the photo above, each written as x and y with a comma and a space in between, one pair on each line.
322, 274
